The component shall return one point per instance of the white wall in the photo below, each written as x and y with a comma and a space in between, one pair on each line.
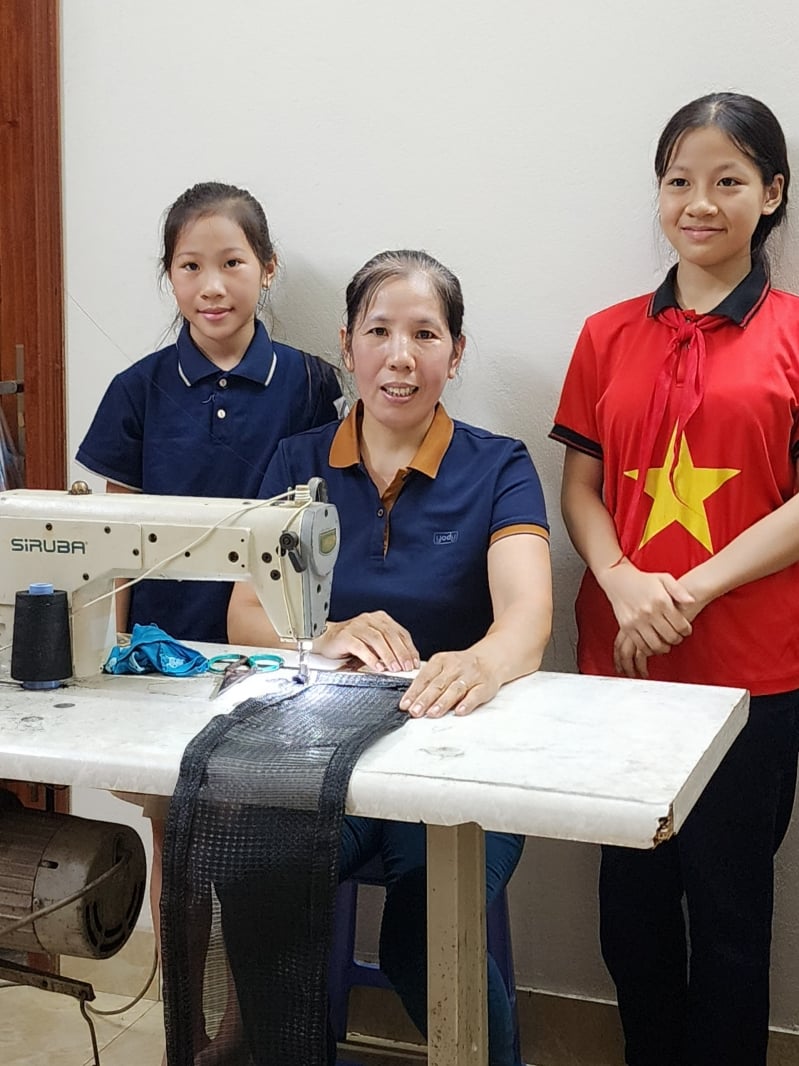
513, 140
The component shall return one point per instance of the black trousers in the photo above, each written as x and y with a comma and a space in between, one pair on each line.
707, 1003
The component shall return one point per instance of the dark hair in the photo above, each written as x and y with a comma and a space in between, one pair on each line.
214, 198
402, 264
754, 130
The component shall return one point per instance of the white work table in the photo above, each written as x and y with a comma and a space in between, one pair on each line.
554, 755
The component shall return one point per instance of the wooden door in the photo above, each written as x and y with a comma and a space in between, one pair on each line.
31, 265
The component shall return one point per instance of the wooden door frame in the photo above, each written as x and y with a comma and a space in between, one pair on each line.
31, 267
31, 234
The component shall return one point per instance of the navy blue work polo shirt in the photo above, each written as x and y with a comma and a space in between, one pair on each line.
419, 552
175, 424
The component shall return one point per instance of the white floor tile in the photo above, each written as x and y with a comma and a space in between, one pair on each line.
45, 1029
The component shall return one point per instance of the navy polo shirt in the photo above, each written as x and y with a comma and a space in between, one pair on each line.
419, 552
175, 424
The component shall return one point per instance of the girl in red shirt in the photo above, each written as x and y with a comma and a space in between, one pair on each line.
680, 413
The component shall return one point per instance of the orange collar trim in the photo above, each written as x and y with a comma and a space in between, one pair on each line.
345, 449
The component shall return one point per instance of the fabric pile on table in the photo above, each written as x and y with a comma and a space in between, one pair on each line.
151, 650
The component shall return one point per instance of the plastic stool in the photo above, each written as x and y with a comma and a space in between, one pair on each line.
347, 972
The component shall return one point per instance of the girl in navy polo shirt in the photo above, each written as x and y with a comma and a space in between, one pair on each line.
680, 413
203, 416
444, 557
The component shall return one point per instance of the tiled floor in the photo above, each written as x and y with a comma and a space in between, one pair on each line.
44, 1029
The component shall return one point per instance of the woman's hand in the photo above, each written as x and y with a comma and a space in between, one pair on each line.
520, 581
456, 681
648, 607
374, 638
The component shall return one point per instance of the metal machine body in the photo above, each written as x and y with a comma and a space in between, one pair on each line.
67, 885
45, 857
81, 542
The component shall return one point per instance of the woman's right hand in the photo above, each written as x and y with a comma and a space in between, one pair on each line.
647, 606
374, 638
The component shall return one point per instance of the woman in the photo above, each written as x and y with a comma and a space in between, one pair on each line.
444, 557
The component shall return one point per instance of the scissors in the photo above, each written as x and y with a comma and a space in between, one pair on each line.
233, 668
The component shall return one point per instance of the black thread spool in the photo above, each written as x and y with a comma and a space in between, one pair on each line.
41, 653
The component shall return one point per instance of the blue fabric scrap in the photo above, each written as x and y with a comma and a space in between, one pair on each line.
151, 650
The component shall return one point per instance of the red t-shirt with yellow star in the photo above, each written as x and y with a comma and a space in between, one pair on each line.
708, 407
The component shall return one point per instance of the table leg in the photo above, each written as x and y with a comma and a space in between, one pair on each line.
456, 946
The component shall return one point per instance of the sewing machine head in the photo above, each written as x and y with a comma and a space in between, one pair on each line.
82, 542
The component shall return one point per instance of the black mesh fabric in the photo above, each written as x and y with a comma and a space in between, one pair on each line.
250, 870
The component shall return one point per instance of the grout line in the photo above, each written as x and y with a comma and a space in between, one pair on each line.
104, 1047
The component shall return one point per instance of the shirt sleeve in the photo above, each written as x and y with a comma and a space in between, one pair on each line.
519, 505
114, 443
575, 418
324, 392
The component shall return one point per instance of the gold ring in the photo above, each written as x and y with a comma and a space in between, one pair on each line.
460, 681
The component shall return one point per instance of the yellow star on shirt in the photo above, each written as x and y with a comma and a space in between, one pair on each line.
686, 505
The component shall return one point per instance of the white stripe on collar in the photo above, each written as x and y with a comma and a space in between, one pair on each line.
182, 374
271, 369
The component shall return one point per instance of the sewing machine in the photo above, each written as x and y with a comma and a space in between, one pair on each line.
81, 542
